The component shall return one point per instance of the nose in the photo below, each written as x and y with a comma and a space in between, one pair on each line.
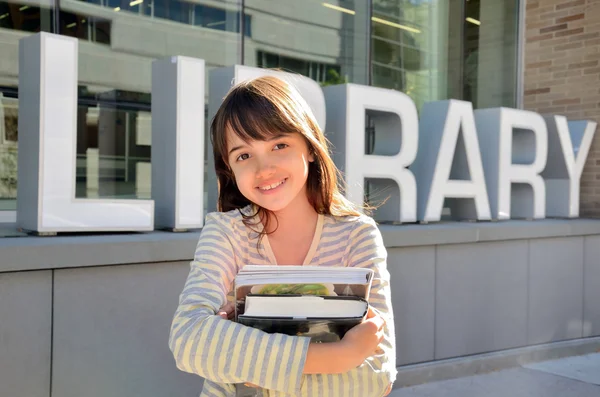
264, 167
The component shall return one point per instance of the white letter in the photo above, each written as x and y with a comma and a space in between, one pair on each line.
222, 80
47, 140
394, 114
565, 163
514, 148
439, 128
178, 142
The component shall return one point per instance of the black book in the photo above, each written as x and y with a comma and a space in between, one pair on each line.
322, 318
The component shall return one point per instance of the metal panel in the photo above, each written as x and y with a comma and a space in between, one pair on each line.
481, 298
591, 287
413, 282
111, 330
25, 333
555, 290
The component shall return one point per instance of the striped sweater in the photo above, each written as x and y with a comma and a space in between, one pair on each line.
225, 353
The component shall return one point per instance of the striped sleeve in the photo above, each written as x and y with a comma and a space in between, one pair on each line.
367, 250
221, 350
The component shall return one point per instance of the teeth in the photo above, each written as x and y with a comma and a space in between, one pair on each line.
273, 186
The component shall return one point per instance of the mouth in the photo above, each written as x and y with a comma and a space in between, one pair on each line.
273, 186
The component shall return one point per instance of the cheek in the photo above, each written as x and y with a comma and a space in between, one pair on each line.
241, 177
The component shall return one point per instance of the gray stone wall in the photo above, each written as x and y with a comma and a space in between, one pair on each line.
90, 315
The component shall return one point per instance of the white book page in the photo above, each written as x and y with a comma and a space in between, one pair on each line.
303, 306
250, 275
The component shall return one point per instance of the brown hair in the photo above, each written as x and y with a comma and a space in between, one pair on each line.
258, 109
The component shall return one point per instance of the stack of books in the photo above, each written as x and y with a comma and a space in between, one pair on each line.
319, 302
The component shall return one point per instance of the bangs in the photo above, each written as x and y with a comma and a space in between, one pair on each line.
252, 116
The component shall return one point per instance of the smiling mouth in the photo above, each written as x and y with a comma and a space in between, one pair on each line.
272, 186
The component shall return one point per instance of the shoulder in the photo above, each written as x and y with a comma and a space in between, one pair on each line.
351, 230
230, 223
354, 223
363, 234
227, 219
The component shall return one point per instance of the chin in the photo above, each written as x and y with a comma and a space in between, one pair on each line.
273, 207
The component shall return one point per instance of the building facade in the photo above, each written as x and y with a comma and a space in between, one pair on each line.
431, 50
88, 314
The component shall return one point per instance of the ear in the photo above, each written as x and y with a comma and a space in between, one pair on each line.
311, 156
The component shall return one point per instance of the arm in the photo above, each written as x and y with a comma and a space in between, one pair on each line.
221, 350
366, 249
329, 358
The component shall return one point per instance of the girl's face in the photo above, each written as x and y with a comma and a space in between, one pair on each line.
272, 173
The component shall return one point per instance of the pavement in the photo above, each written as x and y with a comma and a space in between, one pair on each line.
577, 376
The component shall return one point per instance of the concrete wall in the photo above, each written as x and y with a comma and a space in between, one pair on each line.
90, 315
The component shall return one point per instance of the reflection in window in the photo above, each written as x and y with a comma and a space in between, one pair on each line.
433, 50
183, 12
220, 19
323, 73
324, 40
400, 38
85, 27
8, 149
24, 17
490, 52
113, 144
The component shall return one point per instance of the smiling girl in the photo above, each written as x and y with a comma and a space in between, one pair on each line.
279, 204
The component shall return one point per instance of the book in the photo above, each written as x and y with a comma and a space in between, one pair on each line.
322, 303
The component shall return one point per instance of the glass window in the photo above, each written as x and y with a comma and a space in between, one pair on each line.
429, 49
94, 29
114, 119
320, 72
434, 50
322, 40
406, 47
490, 53
17, 20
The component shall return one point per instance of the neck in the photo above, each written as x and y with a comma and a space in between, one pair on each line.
296, 217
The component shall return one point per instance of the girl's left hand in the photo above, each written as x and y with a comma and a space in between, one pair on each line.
227, 311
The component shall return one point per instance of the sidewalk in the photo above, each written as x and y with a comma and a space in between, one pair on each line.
577, 376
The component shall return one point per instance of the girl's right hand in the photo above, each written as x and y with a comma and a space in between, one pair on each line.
363, 340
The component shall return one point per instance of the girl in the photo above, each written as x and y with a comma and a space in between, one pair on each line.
279, 204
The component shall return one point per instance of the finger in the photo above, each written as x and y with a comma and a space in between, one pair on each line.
223, 315
378, 321
250, 384
380, 335
371, 313
389, 389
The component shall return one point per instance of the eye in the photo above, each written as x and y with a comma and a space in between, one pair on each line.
243, 156
280, 146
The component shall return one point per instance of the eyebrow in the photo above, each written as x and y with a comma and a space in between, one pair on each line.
233, 149
275, 137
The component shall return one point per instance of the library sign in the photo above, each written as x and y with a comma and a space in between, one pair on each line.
485, 164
